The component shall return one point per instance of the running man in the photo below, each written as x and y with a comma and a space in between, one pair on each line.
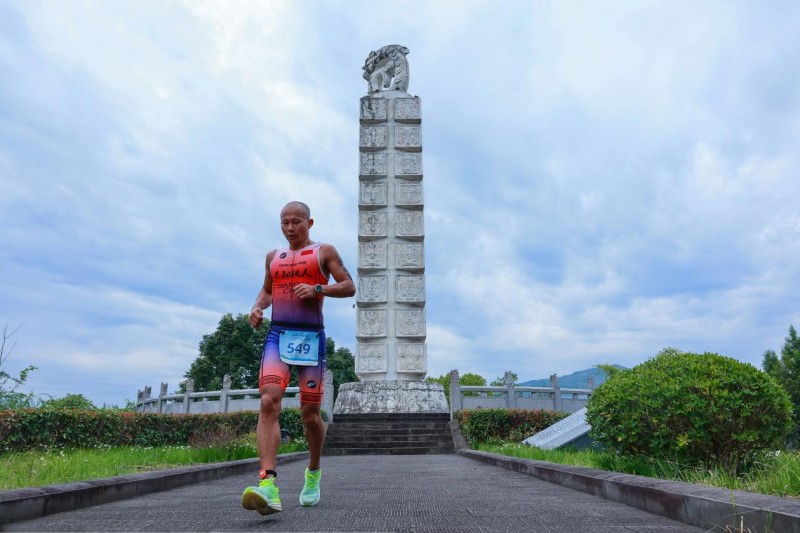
295, 285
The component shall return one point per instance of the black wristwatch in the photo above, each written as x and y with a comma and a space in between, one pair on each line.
318, 288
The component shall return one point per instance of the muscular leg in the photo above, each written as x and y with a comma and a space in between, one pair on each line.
315, 433
268, 433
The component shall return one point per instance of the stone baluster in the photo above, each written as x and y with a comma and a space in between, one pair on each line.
557, 405
223, 396
327, 395
455, 393
187, 400
161, 394
511, 394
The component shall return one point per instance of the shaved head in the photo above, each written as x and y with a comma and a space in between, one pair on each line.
297, 206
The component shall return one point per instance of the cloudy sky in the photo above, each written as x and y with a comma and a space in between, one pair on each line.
602, 180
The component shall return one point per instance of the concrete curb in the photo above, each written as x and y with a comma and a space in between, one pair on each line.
23, 504
707, 507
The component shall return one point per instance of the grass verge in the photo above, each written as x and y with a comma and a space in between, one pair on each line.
37, 468
774, 474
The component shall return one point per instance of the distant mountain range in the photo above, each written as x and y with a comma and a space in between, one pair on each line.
576, 380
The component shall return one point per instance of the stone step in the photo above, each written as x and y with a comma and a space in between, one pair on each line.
422, 450
397, 428
368, 426
421, 440
393, 417
391, 432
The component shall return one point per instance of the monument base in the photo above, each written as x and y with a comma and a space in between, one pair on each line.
390, 397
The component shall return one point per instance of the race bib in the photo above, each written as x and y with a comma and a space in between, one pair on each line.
299, 347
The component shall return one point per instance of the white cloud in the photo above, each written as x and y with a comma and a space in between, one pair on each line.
601, 182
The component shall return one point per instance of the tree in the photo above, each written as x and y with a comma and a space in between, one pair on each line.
234, 349
691, 409
466, 379
786, 371
501, 381
609, 370
10, 397
70, 401
342, 364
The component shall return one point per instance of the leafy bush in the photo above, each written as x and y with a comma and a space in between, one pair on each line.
25, 429
694, 409
490, 425
70, 401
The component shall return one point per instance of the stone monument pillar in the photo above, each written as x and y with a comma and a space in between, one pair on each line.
391, 356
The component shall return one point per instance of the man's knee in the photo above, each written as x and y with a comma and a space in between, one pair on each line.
311, 412
271, 397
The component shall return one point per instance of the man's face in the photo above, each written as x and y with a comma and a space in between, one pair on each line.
295, 225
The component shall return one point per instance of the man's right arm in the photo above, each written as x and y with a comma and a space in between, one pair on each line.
264, 298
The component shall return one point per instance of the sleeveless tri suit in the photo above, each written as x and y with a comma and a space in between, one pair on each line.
292, 314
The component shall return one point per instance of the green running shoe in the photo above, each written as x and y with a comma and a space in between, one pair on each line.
263, 498
310, 494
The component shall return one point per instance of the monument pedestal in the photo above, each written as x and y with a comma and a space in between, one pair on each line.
393, 396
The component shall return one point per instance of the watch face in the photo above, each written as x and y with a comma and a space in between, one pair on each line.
318, 288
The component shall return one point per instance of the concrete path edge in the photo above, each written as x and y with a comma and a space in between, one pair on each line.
707, 507
24, 504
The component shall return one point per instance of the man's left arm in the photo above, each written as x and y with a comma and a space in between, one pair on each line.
332, 262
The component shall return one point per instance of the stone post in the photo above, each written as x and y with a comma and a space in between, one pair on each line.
146, 396
511, 394
223, 396
187, 402
327, 395
161, 394
391, 354
456, 401
557, 405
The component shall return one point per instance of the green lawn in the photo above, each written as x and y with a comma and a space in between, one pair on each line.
775, 474
37, 468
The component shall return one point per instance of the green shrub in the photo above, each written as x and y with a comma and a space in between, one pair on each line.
694, 409
70, 401
490, 425
26, 429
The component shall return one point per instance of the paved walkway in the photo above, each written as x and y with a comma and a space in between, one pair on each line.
374, 493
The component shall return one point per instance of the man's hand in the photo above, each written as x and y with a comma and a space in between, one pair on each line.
256, 317
304, 291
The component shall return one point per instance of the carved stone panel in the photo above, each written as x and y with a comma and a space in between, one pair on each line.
372, 289
373, 109
372, 323
408, 193
409, 255
373, 137
410, 357
372, 193
372, 224
374, 164
371, 358
410, 289
410, 323
372, 255
407, 110
409, 224
408, 138
408, 164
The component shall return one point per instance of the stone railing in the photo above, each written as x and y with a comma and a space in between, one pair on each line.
223, 401
511, 396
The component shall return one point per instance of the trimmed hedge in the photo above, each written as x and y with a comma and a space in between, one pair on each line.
25, 429
694, 409
485, 425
